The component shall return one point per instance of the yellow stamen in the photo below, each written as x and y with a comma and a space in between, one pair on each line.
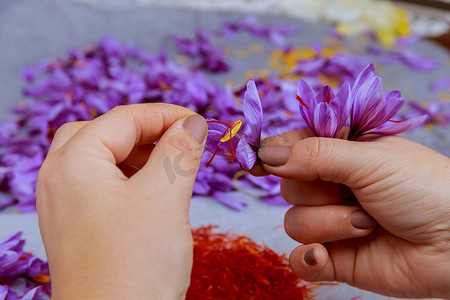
41, 278
234, 129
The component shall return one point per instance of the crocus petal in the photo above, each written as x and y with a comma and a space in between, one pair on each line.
392, 94
440, 84
306, 93
245, 154
229, 200
307, 99
344, 100
3, 291
253, 112
310, 67
366, 74
33, 294
213, 140
389, 110
325, 94
418, 62
325, 121
368, 101
390, 128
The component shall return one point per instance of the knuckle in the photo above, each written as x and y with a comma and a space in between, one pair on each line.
316, 150
119, 108
66, 127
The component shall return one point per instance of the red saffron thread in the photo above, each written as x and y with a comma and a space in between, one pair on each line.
230, 127
301, 101
230, 266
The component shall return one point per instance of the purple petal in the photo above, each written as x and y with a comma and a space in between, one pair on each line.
213, 141
325, 94
306, 93
325, 121
3, 291
366, 74
418, 62
245, 154
389, 110
344, 98
307, 102
440, 84
392, 94
310, 67
368, 101
253, 112
33, 294
390, 128
229, 200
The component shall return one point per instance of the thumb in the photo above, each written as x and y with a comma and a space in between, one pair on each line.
174, 162
354, 164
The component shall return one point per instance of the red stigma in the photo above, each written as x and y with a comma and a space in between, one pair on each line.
395, 121
227, 130
301, 101
327, 96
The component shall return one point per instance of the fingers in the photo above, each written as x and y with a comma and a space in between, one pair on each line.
323, 224
316, 192
345, 162
312, 263
65, 133
175, 160
113, 136
287, 138
139, 155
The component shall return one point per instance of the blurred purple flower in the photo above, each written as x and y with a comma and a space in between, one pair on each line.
373, 110
404, 55
324, 112
83, 85
275, 33
343, 66
17, 265
443, 83
437, 110
201, 48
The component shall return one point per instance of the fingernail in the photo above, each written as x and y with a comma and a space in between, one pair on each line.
361, 220
274, 155
196, 126
309, 257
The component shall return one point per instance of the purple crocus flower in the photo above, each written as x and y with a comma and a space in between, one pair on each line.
324, 112
373, 110
209, 56
344, 66
224, 138
17, 265
275, 33
443, 83
437, 110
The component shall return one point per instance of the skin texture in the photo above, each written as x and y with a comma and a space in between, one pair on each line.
400, 191
115, 224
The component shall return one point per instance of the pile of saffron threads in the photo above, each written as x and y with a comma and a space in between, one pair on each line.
231, 266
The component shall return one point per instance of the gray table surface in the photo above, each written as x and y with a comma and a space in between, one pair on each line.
33, 30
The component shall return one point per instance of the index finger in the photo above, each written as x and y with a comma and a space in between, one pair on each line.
113, 135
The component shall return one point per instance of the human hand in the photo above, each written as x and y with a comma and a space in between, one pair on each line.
113, 207
393, 239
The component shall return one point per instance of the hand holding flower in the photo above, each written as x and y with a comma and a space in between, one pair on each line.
105, 181
393, 238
